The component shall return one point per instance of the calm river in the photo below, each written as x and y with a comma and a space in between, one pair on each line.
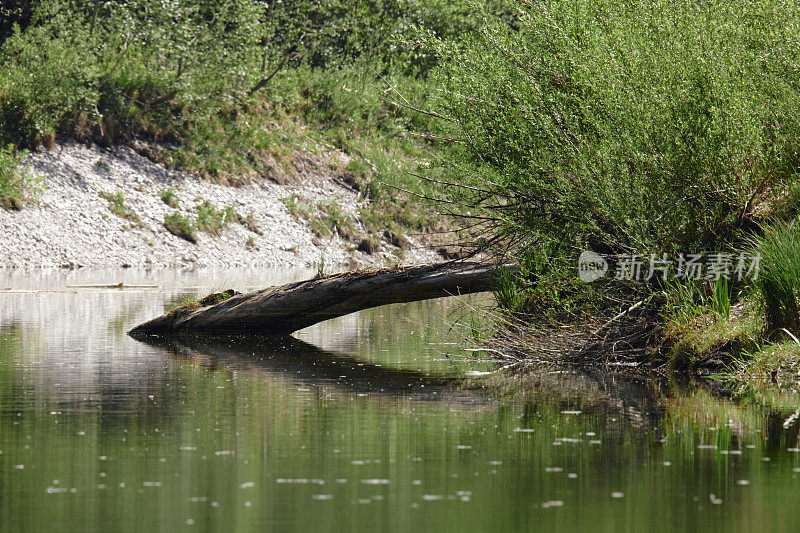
356, 424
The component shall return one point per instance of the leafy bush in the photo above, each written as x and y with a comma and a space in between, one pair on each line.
658, 126
109, 70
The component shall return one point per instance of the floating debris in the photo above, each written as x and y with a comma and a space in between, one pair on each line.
552, 503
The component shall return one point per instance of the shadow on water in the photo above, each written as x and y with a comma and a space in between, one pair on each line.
309, 366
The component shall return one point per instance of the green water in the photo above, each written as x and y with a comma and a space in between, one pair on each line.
352, 425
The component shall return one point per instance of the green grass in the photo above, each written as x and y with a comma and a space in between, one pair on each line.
169, 197
767, 363
325, 219
779, 274
116, 204
213, 220
181, 227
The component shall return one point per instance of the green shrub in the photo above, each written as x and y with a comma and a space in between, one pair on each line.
295, 207
181, 227
16, 184
650, 127
336, 221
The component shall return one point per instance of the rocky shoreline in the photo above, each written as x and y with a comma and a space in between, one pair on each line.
72, 226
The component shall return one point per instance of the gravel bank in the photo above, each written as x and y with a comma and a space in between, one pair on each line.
72, 225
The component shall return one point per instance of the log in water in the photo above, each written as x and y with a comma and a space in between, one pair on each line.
288, 308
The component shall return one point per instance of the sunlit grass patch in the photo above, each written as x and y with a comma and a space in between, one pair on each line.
181, 227
769, 363
116, 204
169, 197
213, 220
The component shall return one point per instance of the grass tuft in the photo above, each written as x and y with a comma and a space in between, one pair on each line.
116, 204
169, 197
779, 274
213, 220
181, 227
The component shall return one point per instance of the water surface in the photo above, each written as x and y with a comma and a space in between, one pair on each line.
355, 424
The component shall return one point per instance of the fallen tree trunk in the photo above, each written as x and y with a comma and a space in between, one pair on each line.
288, 308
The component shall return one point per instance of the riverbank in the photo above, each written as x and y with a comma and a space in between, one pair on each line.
106, 208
